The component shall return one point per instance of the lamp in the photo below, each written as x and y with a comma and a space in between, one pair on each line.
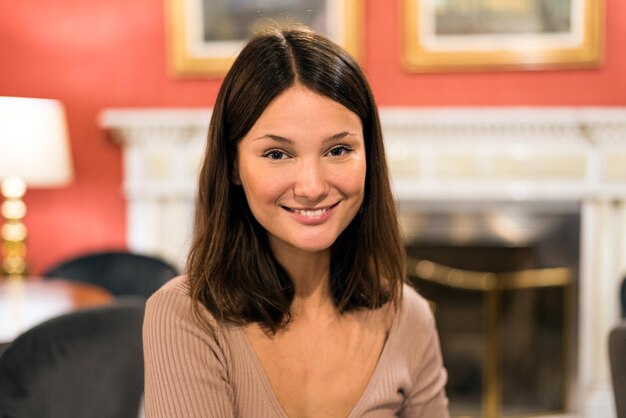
34, 151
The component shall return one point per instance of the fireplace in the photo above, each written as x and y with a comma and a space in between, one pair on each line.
515, 224
502, 281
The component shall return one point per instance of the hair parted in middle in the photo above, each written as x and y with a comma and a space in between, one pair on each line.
231, 269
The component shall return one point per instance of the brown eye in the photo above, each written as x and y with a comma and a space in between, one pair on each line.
339, 151
274, 154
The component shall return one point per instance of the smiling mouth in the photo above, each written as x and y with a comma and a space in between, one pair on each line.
311, 213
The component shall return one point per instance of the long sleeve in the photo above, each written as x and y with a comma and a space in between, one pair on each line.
185, 371
427, 397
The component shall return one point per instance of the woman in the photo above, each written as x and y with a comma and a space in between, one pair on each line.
293, 304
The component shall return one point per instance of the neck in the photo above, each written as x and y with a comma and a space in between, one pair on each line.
310, 273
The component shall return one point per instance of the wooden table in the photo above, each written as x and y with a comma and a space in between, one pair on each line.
26, 303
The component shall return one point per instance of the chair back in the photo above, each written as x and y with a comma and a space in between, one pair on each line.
617, 358
120, 272
88, 363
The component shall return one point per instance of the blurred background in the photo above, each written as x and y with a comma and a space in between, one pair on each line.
101, 54
100, 57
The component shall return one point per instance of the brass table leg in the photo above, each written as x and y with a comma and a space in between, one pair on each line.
492, 398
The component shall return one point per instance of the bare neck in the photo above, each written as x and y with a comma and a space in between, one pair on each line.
310, 273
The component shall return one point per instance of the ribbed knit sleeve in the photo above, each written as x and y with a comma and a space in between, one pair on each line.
185, 366
426, 397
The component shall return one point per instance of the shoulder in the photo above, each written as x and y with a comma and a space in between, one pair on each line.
172, 298
170, 321
178, 284
175, 289
170, 309
415, 311
414, 328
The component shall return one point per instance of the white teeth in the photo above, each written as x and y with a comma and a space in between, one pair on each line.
311, 213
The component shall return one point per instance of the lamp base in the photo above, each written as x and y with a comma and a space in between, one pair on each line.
13, 232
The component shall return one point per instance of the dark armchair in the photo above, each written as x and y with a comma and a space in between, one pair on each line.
87, 363
120, 272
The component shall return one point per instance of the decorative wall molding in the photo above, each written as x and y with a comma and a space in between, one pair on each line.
506, 153
440, 158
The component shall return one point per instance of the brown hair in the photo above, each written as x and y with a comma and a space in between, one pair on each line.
230, 268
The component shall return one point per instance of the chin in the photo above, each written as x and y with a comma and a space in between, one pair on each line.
305, 243
312, 245
309, 248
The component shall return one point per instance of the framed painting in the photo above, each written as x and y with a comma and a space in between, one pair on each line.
448, 35
206, 35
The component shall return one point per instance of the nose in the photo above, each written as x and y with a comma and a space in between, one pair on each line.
310, 182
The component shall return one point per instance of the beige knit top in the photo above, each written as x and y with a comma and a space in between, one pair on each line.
193, 373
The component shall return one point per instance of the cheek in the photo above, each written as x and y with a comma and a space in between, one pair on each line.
355, 182
351, 184
261, 187
355, 187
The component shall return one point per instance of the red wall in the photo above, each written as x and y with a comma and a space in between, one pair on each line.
98, 54
392, 86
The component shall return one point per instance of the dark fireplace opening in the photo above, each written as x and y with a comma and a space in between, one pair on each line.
502, 281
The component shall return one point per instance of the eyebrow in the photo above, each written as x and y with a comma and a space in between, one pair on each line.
331, 138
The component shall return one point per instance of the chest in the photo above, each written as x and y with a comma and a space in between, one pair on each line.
319, 373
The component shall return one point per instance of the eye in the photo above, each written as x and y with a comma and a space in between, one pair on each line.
340, 150
275, 154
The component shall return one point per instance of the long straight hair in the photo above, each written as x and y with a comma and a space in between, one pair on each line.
231, 269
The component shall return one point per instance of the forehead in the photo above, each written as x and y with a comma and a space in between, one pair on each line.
301, 109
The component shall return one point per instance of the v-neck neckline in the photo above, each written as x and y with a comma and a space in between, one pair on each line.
278, 408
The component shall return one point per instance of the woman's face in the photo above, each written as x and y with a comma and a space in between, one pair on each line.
302, 167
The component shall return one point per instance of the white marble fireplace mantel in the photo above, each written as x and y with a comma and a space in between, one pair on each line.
439, 157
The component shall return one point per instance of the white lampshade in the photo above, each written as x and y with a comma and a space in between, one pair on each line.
34, 143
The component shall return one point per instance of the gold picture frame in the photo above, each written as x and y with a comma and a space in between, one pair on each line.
206, 35
458, 35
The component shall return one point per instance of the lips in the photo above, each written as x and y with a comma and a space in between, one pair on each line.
311, 212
